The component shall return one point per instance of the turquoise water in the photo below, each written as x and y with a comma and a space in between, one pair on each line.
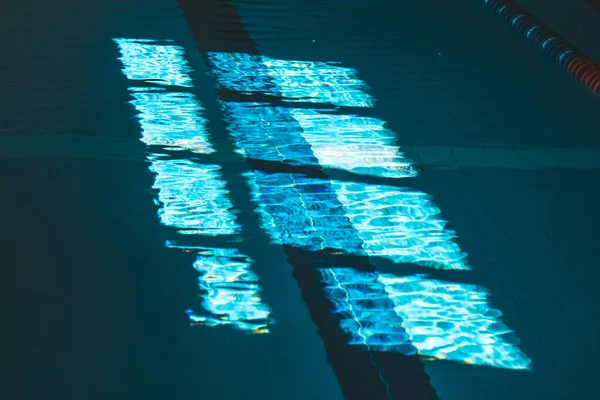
310, 201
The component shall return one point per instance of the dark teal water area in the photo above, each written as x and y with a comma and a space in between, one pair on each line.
301, 200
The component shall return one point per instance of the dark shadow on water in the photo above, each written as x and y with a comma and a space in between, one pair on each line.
362, 373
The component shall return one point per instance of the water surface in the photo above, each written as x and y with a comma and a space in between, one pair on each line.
241, 199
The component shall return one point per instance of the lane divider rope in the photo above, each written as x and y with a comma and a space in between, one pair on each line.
550, 43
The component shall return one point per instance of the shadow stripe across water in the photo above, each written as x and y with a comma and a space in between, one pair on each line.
305, 213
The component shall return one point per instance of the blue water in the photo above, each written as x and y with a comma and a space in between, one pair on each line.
314, 201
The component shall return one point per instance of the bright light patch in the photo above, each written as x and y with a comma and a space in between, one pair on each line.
443, 320
302, 212
365, 310
400, 224
268, 133
145, 60
172, 120
310, 137
307, 81
355, 218
193, 196
454, 321
353, 143
230, 292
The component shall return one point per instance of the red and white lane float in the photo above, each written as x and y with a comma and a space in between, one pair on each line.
550, 43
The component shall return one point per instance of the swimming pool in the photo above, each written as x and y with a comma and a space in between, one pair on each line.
347, 200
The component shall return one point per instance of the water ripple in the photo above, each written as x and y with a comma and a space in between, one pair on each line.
144, 60
443, 320
357, 144
308, 81
230, 291
193, 197
402, 225
171, 120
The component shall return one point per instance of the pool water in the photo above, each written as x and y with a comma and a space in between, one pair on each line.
242, 199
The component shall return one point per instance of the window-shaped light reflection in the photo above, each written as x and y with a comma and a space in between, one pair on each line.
146, 60
308, 81
443, 320
366, 312
454, 321
357, 144
193, 197
355, 218
230, 292
171, 120
302, 212
268, 133
310, 137
400, 224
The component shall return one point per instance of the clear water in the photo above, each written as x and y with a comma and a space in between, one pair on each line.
303, 200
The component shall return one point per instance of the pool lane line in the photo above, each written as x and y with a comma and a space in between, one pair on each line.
565, 54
